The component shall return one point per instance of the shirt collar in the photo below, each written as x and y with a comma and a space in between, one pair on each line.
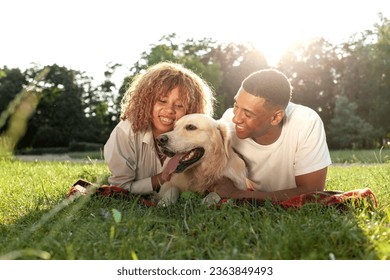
148, 137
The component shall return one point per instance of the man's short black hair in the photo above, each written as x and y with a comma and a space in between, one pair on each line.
270, 84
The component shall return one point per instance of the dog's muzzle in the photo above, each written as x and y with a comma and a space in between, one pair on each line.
180, 161
162, 140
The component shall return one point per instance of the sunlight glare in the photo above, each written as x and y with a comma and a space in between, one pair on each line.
275, 27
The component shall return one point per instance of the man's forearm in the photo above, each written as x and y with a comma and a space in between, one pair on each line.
226, 189
274, 196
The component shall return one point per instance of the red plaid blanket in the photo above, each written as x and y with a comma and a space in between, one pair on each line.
337, 198
82, 187
327, 198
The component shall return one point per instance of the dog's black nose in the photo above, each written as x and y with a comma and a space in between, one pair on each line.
162, 139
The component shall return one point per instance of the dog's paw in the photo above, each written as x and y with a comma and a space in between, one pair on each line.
168, 195
211, 199
163, 203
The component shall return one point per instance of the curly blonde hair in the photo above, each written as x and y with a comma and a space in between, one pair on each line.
158, 80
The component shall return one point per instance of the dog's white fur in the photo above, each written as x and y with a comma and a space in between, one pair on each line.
219, 159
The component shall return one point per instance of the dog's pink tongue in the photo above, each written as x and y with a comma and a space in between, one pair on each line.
171, 166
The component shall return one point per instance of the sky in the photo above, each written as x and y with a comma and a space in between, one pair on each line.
86, 35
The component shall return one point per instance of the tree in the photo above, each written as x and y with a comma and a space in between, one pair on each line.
236, 62
69, 107
17, 113
365, 79
192, 54
313, 71
347, 130
59, 117
11, 83
100, 110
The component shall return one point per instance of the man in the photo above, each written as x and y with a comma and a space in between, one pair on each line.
283, 144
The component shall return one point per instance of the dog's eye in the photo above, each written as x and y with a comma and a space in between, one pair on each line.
191, 127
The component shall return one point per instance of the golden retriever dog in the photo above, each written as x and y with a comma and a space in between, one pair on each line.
200, 153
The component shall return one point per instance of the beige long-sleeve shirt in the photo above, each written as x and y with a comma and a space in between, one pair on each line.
132, 158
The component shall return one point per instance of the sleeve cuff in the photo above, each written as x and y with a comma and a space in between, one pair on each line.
143, 186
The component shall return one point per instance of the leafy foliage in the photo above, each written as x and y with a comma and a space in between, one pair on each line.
313, 68
365, 76
347, 129
11, 83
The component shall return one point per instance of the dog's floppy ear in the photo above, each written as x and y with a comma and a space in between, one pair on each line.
225, 134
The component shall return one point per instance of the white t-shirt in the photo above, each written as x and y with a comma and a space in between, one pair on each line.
300, 149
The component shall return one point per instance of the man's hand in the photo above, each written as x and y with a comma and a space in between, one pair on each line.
226, 189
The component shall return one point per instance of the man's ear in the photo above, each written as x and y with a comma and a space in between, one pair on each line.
278, 117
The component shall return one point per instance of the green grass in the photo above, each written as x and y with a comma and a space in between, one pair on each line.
87, 155
338, 156
361, 156
38, 223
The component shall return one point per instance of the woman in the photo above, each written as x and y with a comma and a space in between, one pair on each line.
150, 107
